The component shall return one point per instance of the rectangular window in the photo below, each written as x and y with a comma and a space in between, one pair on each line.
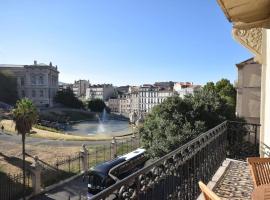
23, 93
33, 93
33, 79
41, 80
22, 81
41, 93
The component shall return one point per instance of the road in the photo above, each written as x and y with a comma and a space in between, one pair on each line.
72, 190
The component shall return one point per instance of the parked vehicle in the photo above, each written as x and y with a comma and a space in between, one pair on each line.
108, 173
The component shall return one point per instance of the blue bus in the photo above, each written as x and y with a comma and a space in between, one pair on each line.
106, 174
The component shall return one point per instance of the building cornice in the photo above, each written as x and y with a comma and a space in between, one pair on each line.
248, 19
251, 39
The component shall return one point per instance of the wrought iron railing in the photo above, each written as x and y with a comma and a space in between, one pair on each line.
11, 186
243, 139
176, 175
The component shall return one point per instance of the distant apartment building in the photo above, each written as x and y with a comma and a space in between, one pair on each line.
79, 88
124, 104
100, 91
168, 85
113, 104
64, 86
140, 100
150, 96
127, 100
134, 100
249, 90
185, 88
38, 82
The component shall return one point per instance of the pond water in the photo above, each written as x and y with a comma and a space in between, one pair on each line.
110, 127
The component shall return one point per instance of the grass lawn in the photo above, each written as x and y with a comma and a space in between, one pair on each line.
38, 133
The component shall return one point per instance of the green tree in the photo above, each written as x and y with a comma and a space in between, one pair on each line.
96, 105
8, 89
209, 86
227, 91
67, 98
168, 126
177, 121
24, 115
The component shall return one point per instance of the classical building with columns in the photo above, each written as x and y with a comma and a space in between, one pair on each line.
251, 28
38, 82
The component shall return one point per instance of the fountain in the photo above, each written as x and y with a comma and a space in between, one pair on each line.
104, 117
101, 128
103, 125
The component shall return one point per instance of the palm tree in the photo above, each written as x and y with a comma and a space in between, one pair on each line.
24, 115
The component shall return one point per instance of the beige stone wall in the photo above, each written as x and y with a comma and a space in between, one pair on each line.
265, 94
249, 91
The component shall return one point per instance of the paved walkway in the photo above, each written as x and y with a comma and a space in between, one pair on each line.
236, 183
73, 190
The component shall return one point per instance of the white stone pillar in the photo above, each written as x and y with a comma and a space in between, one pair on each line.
265, 96
36, 175
84, 154
113, 148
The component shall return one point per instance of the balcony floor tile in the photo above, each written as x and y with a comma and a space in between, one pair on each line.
236, 183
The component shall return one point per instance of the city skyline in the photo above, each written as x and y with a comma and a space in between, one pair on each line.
120, 42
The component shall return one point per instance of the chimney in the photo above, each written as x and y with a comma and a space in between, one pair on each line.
35, 62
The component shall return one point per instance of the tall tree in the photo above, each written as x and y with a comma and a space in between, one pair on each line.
25, 115
8, 89
227, 91
96, 105
68, 99
176, 121
169, 125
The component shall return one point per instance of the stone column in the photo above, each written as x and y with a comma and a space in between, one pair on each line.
36, 175
113, 148
265, 96
84, 154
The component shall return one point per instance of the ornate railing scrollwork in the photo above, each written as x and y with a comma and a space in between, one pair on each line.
175, 176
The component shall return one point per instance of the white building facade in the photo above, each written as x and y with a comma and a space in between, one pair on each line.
113, 104
102, 91
185, 88
79, 88
150, 96
38, 82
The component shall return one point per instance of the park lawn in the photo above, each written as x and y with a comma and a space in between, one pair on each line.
45, 134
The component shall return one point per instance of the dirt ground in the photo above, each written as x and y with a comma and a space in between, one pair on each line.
10, 155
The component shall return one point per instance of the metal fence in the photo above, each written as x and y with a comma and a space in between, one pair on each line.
104, 153
176, 175
11, 186
60, 170
243, 140
71, 165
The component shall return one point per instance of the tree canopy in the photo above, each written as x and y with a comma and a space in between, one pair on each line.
8, 89
67, 98
97, 105
25, 115
177, 121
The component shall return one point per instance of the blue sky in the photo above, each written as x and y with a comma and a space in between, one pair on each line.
122, 41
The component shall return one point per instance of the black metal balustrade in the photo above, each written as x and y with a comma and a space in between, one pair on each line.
176, 175
11, 186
